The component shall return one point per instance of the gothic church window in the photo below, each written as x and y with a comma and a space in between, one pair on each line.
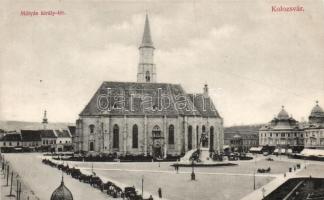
189, 137
116, 136
171, 134
91, 127
135, 136
91, 146
197, 136
211, 133
156, 131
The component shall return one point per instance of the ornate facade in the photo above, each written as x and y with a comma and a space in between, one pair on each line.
284, 131
147, 117
314, 130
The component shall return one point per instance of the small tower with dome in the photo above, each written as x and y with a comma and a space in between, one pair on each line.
45, 120
317, 115
62, 193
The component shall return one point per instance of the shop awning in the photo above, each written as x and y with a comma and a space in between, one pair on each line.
256, 149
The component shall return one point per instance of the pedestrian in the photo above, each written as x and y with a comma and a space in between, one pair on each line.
150, 198
284, 175
160, 193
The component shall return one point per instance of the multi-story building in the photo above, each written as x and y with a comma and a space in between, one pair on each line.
285, 132
12, 139
31, 138
45, 139
63, 140
241, 138
314, 130
243, 142
48, 139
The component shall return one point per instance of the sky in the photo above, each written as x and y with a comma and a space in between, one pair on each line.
253, 60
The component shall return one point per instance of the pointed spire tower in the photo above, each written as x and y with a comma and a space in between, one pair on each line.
146, 72
45, 121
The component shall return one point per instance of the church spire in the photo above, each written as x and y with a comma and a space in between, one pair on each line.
147, 39
146, 72
45, 121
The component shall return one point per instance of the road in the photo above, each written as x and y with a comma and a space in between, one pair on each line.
43, 180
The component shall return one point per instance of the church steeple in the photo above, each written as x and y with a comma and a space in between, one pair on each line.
146, 72
45, 121
147, 39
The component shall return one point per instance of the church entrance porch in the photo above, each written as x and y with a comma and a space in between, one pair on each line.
157, 143
157, 152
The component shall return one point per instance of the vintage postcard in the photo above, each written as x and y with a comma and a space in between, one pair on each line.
162, 99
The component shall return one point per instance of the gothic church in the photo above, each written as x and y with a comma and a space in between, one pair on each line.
147, 117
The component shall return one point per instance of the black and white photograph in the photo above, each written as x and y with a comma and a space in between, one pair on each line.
161, 100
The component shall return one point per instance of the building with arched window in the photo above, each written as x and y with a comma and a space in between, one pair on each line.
147, 117
285, 132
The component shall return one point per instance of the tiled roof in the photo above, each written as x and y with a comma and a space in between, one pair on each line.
204, 105
30, 135
72, 130
282, 124
11, 137
249, 130
62, 133
48, 134
133, 98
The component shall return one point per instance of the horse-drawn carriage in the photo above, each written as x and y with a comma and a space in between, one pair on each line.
64, 168
75, 173
49, 162
84, 178
260, 170
95, 181
131, 194
110, 188
269, 159
114, 191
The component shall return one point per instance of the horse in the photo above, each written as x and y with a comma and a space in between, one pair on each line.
264, 170
95, 181
75, 173
84, 178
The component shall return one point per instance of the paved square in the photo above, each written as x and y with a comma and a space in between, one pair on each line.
231, 182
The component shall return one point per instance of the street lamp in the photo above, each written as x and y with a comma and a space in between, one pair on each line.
17, 189
193, 176
255, 165
254, 180
142, 186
